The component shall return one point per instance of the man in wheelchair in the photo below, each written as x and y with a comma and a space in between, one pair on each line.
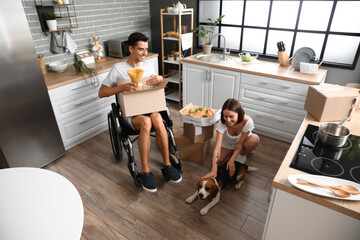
138, 47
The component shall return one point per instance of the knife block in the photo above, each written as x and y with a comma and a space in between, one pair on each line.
283, 59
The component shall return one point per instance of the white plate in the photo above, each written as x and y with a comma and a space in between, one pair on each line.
325, 181
298, 58
307, 50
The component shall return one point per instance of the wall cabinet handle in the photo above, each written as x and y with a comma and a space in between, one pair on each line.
86, 101
89, 119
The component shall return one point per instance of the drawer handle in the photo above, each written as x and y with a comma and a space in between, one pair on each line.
86, 101
276, 85
80, 87
89, 119
271, 101
275, 119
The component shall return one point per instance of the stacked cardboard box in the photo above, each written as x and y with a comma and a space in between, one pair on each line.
194, 141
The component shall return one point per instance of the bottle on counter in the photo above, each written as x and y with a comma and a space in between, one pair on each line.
42, 64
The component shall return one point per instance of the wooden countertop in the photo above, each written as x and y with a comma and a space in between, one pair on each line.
55, 79
350, 208
264, 68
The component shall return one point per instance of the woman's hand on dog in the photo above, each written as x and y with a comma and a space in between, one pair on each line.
230, 165
211, 174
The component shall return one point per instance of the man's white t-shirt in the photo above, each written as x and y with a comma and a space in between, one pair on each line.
119, 72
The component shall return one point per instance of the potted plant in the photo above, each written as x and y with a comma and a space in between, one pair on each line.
51, 22
207, 33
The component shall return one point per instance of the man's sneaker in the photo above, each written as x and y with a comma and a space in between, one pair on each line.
147, 182
171, 173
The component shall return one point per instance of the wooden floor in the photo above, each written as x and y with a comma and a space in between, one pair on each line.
116, 209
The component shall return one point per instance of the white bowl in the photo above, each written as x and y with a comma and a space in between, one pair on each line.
59, 66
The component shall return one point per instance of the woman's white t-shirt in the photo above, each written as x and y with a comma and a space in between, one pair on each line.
229, 141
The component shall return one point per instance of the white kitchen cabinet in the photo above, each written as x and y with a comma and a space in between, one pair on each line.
275, 105
292, 217
79, 112
209, 87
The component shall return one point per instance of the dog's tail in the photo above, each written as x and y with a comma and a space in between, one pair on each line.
250, 169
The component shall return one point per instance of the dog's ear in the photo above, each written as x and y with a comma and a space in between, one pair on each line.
214, 190
200, 183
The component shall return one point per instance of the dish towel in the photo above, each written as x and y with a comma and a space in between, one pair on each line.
186, 41
54, 45
68, 43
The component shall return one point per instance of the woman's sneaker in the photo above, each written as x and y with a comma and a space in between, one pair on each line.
147, 182
171, 173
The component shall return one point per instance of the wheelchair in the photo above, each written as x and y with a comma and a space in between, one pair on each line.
122, 136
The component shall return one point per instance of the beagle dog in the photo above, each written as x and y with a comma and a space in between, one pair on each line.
212, 187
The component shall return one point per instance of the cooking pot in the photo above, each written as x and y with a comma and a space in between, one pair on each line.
333, 134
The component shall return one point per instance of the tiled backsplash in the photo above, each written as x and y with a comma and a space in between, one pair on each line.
107, 19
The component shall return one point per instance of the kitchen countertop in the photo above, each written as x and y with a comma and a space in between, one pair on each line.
350, 208
55, 79
264, 68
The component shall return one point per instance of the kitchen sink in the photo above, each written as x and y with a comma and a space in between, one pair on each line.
215, 58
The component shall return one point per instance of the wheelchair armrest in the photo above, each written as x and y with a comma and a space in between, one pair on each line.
115, 110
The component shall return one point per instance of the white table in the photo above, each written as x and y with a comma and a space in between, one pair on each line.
39, 204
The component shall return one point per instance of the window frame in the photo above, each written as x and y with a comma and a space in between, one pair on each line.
295, 31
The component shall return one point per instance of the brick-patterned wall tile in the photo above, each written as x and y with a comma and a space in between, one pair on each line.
107, 19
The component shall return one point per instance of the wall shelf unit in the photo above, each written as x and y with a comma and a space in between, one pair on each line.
65, 13
172, 68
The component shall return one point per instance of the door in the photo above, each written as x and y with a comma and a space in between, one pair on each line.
195, 84
224, 84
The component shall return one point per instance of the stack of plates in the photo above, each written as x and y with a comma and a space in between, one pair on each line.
304, 54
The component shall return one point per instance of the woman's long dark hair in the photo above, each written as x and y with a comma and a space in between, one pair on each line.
233, 105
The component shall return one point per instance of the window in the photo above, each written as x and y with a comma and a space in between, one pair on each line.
330, 27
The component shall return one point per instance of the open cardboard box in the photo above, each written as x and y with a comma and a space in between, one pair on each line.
328, 102
149, 99
203, 122
198, 134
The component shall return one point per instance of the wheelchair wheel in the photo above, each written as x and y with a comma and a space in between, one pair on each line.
114, 137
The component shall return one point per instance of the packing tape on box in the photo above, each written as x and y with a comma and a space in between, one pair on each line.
309, 68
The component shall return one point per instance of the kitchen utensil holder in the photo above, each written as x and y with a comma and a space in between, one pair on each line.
283, 59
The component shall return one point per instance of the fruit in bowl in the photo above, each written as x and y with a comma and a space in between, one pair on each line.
248, 57
59, 66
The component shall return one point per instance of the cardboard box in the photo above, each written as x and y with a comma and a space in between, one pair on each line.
199, 121
189, 151
149, 99
198, 134
327, 102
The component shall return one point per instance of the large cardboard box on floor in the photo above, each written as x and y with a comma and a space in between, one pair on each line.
327, 102
149, 99
204, 122
198, 134
189, 151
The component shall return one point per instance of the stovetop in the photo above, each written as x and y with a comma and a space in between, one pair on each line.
317, 158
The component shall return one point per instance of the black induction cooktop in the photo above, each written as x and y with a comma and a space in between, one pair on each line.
317, 158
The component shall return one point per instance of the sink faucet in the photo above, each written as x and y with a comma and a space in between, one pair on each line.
224, 52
